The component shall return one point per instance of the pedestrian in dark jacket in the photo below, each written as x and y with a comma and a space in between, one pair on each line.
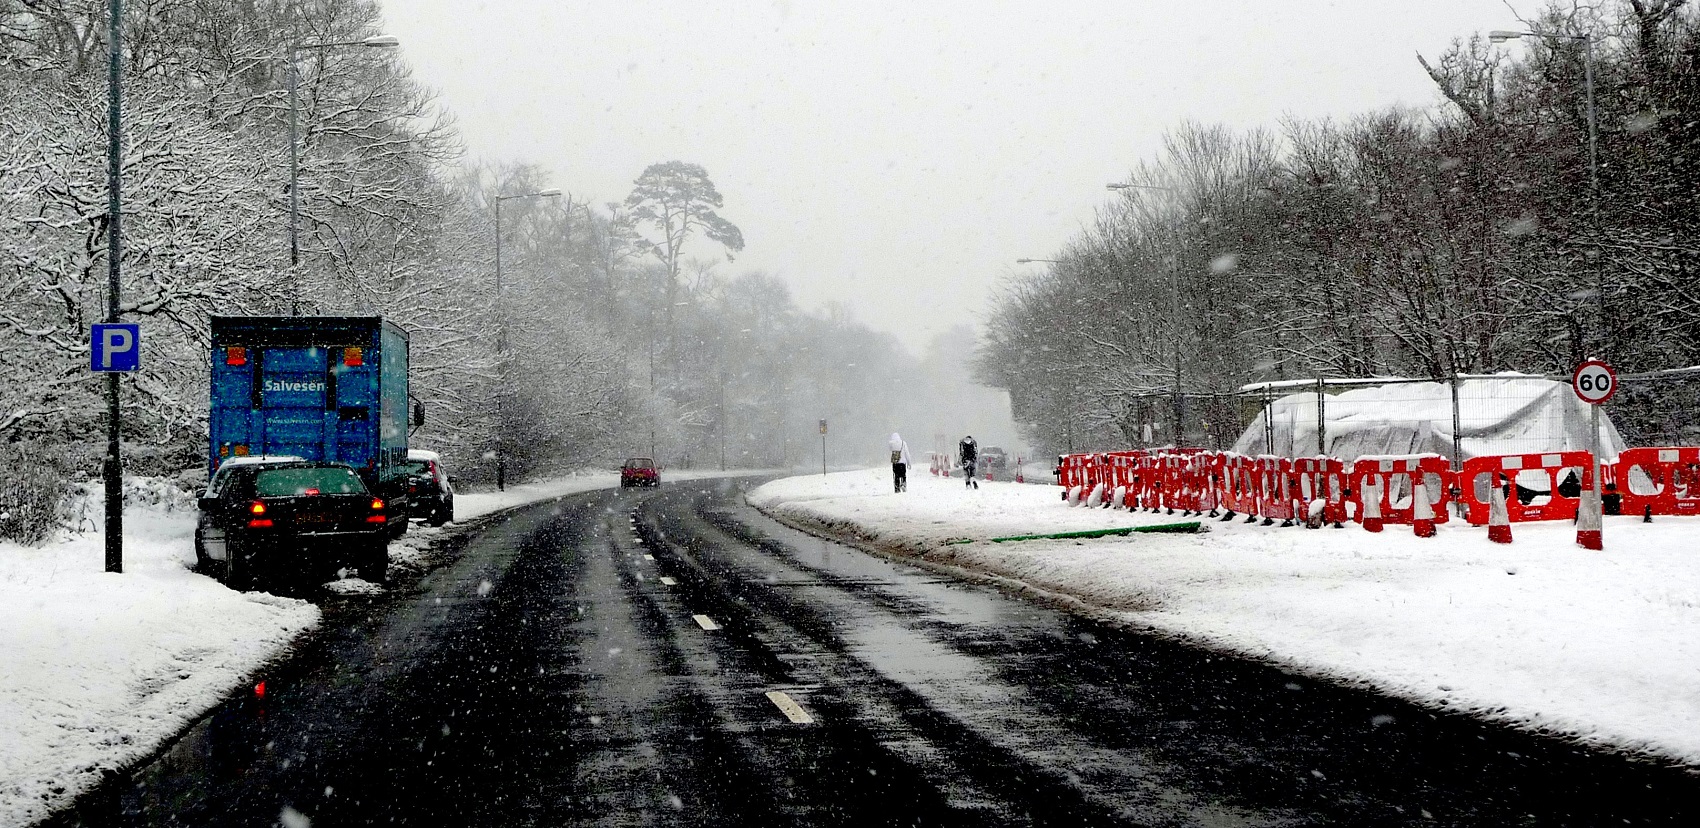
968, 452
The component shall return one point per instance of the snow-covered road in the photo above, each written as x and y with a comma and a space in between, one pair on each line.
100, 669
1604, 646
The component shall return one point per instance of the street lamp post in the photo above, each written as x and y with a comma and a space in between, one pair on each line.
502, 339
1587, 40
113, 465
374, 42
1119, 186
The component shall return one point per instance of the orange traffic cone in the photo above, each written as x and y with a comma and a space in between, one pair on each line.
1422, 511
1588, 521
1499, 522
1372, 505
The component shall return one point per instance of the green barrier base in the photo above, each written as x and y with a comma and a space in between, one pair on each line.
1188, 527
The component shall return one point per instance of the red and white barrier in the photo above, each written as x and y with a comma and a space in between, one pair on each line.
1324, 479
1375, 491
1275, 489
1658, 480
1481, 474
1396, 476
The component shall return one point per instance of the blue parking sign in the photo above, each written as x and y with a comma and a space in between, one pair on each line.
115, 347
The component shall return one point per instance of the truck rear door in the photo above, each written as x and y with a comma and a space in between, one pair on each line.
291, 388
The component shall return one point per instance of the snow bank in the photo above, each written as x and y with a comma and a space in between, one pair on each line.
101, 668
1604, 646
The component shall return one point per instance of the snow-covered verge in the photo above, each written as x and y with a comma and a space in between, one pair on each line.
97, 670
1603, 647
100, 668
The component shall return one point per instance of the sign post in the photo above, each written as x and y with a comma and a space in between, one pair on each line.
823, 448
113, 466
1594, 382
114, 349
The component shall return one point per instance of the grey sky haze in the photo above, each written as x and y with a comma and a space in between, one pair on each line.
899, 156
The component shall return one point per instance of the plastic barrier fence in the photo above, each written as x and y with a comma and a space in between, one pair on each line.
1544, 486
1324, 479
1658, 480
1394, 476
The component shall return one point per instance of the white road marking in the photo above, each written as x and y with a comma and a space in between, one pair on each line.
790, 708
666, 581
705, 622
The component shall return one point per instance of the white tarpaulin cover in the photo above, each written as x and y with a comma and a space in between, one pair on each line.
1520, 415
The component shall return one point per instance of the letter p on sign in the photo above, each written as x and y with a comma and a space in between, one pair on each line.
115, 347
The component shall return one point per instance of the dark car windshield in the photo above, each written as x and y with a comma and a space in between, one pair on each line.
417, 467
307, 480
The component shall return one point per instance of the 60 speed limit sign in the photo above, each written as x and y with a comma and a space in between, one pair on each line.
1594, 382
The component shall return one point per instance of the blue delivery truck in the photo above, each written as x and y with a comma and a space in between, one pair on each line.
318, 388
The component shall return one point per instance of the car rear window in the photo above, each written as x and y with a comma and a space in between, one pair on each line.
416, 467
297, 481
640, 463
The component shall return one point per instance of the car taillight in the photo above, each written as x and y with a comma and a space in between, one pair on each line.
235, 356
377, 506
311, 492
257, 508
256, 522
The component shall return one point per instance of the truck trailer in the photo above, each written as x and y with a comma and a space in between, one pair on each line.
317, 388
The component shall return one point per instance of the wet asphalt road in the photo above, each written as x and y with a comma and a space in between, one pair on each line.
546, 674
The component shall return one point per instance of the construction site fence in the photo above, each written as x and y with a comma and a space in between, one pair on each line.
1400, 489
1651, 409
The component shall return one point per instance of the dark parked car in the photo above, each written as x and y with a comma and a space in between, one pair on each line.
267, 517
640, 471
430, 489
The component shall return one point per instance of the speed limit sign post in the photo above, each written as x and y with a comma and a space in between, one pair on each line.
1594, 382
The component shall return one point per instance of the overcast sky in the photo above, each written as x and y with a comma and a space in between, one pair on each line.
899, 156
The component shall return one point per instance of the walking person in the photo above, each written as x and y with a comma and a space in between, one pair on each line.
899, 462
967, 452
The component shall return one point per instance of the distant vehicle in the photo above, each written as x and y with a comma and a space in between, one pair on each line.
265, 518
993, 457
639, 471
430, 489
330, 388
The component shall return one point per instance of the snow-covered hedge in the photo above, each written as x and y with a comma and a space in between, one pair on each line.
34, 490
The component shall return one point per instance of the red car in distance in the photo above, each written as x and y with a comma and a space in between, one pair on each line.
639, 471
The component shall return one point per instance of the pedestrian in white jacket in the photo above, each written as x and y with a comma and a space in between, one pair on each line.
899, 462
